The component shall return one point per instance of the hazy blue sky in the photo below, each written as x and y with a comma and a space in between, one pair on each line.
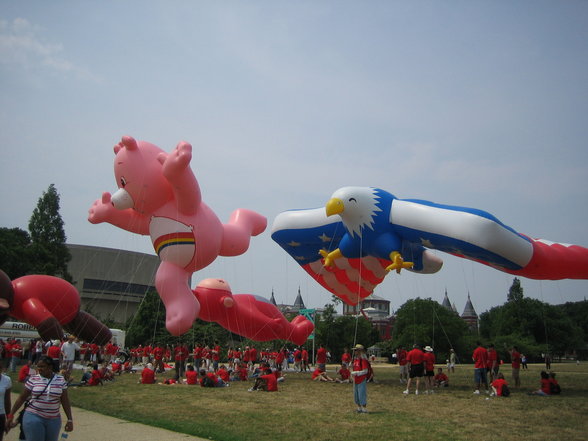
473, 103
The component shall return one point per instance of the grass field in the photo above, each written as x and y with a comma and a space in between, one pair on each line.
303, 409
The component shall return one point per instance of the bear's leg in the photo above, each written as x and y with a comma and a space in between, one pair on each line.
181, 306
236, 234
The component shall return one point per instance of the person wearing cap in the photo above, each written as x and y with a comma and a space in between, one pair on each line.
414, 358
361, 368
429, 361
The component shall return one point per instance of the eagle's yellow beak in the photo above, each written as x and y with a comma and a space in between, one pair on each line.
334, 206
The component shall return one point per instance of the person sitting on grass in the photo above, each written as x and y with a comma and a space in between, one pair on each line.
191, 375
210, 379
117, 367
441, 380
319, 375
545, 389
96, 378
500, 386
343, 374
105, 373
267, 382
223, 374
148, 375
240, 373
554, 386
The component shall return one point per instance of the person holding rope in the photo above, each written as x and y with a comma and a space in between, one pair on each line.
361, 368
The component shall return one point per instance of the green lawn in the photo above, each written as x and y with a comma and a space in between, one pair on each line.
303, 409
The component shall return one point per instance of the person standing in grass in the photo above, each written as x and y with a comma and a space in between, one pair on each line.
515, 359
416, 368
480, 357
361, 367
429, 361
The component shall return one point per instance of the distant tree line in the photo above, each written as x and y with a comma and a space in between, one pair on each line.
536, 328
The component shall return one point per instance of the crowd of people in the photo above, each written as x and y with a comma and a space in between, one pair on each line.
418, 365
52, 363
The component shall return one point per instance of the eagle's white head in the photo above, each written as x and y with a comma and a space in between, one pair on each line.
357, 207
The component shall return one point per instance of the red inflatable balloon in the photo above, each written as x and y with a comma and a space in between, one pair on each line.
51, 305
248, 315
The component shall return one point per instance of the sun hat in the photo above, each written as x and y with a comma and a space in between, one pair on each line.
358, 348
428, 349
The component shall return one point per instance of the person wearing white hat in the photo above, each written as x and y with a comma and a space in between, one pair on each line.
429, 362
361, 367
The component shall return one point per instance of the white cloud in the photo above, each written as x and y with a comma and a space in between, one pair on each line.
23, 47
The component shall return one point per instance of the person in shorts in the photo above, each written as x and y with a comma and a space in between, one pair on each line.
416, 368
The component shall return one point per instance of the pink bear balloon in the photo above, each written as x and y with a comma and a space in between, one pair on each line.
248, 315
159, 195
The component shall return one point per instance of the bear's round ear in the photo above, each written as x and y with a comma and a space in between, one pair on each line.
129, 142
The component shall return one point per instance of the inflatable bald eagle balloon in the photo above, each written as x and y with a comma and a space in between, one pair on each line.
362, 233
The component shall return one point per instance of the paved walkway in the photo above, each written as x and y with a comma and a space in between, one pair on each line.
91, 426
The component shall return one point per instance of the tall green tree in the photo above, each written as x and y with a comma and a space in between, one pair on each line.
532, 325
49, 252
426, 322
148, 323
515, 293
338, 333
15, 252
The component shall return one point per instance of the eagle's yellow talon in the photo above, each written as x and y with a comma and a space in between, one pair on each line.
330, 257
398, 262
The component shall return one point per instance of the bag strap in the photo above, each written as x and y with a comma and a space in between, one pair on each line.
37, 397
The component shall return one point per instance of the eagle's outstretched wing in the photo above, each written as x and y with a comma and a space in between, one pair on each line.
303, 233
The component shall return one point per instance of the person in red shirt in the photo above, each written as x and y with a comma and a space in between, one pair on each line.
493, 365
500, 386
319, 375
441, 380
241, 373
553, 384
223, 374
191, 375
197, 355
344, 374
210, 379
267, 382
545, 389
416, 368
429, 362
515, 359
216, 350
346, 357
480, 357
360, 372
96, 378
298, 359
181, 353
54, 351
158, 354
402, 363
148, 374
321, 358
304, 362
25, 372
